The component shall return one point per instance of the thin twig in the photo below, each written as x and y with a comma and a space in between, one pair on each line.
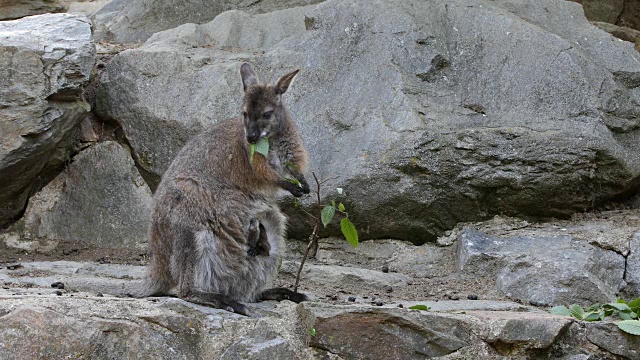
313, 238
308, 213
329, 179
318, 191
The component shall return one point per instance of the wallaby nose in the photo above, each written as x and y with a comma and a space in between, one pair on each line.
253, 137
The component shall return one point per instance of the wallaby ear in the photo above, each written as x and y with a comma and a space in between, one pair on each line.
248, 76
283, 83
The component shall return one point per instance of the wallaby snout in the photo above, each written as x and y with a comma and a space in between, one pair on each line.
253, 136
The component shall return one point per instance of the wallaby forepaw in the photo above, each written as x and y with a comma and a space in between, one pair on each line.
297, 191
252, 252
305, 186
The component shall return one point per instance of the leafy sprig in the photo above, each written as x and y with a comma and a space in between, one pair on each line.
628, 312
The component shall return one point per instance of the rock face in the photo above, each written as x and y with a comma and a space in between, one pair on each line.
45, 61
353, 332
624, 13
126, 21
462, 121
36, 327
14, 9
99, 199
543, 269
632, 276
621, 32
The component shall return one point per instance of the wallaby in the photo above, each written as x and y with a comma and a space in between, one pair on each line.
217, 233
257, 239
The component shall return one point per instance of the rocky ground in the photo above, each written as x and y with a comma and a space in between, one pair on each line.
480, 306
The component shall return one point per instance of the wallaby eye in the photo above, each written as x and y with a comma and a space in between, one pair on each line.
267, 114
244, 114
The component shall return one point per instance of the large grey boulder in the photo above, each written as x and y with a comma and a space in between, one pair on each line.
543, 268
45, 61
428, 113
361, 332
14, 9
632, 275
99, 199
126, 21
53, 327
620, 12
602, 10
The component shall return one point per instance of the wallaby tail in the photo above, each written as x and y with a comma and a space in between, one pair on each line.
138, 288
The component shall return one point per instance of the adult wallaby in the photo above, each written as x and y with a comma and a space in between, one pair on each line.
217, 234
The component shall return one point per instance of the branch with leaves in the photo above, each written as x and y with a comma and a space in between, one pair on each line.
327, 212
628, 312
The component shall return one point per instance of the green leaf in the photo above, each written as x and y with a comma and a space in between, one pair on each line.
252, 151
327, 214
594, 316
290, 164
560, 310
349, 231
262, 147
630, 326
341, 206
634, 304
576, 311
618, 306
294, 181
620, 301
593, 307
419, 307
627, 315
312, 331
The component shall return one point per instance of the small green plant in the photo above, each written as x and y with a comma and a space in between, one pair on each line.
312, 331
628, 312
327, 213
419, 307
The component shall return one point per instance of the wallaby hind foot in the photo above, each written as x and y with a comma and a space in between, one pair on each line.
217, 301
279, 294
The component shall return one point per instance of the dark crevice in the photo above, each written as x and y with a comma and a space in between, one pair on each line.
109, 129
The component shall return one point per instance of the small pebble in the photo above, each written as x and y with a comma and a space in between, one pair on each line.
379, 303
58, 292
365, 297
472, 297
400, 305
385, 268
57, 285
99, 295
452, 296
388, 288
352, 298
